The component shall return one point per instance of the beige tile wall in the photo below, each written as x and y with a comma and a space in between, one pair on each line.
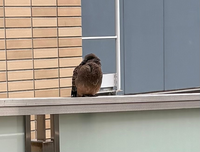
40, 44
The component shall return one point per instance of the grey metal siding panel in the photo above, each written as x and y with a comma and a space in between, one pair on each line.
182, 44
98, 17
149, 64
143, 40
105, 50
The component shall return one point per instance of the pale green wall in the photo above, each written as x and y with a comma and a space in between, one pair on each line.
12, 134
146, 131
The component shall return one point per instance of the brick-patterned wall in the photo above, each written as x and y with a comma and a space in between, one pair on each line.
40, 44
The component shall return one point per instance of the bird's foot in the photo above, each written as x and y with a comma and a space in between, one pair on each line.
89, 95
73, 93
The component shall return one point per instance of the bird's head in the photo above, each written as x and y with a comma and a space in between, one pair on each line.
91, 57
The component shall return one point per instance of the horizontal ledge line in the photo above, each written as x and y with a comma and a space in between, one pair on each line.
36, 79
37, 68
14, 134
35, 38
32, 17
6, 17
40, 58
43, 47
42, 27
22, 27
33, 6
32, 90
60, 47
99, 37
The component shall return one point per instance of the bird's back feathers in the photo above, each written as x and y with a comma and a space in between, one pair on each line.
87, 77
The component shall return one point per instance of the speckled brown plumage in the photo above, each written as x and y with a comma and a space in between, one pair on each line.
87, 77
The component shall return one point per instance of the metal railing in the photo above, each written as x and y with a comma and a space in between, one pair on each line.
39, 106
101, 104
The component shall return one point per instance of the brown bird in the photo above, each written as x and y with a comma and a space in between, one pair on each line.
87, 77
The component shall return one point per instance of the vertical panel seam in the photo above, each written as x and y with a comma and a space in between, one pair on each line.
124, 48
164, 77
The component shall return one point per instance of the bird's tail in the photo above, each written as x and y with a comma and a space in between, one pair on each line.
74, 91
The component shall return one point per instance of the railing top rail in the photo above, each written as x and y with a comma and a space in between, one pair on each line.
29, 106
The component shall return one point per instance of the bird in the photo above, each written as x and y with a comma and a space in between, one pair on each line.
87, 77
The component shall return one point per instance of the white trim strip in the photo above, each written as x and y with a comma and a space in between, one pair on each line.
118, 54
108, 80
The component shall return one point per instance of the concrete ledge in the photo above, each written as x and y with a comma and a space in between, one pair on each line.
35, 106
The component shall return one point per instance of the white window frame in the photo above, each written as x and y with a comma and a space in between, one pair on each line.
113, 79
